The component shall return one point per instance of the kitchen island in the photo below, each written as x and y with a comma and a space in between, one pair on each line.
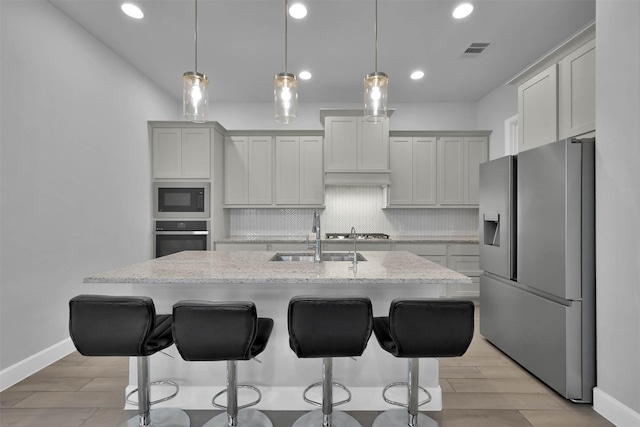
252, 276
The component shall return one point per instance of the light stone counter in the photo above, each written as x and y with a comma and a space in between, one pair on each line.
282, 377
255, 268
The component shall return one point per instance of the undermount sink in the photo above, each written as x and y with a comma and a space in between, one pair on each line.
326, 256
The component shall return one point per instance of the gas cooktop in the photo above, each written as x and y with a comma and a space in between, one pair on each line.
333, 236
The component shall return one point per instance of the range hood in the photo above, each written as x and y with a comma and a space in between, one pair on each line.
380, 179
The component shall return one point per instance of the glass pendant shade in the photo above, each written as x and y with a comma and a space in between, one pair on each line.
285, 91
375, 96
195, 96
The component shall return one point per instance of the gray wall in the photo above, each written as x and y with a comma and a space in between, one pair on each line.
492, 111
75, 169
618, 204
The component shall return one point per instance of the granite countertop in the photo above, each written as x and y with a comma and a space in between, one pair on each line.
254, 267
391, 239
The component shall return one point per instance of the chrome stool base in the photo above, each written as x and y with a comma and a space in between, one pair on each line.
162, 417
400, 418
246, 417
315, 418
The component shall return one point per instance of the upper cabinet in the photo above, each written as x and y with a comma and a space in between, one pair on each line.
432, 171
538, 110
298, 170
273, 171
356, 151
577, 112
459, 161
556, 96
181, 153
413, 171
248, 170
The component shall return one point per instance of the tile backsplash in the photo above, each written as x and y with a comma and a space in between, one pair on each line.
359, 207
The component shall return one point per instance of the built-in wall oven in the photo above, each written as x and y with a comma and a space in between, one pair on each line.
178, 236
181, 199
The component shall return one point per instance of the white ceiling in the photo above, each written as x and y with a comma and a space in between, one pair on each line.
241, 44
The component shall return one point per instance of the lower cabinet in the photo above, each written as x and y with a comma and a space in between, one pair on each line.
241, 246
463, 258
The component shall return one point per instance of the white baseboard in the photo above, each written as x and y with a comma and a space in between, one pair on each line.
613, 410
32, 364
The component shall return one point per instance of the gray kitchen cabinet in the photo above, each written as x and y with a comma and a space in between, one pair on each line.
354, 145
299, 177
538, 110
465, 259
413, 171
556, 95
458, 169
434, 252
248, 170
241, 246
181, 153
347, 245
577, 103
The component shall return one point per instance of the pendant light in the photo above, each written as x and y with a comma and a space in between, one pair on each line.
285, 85
195, 92
375, 87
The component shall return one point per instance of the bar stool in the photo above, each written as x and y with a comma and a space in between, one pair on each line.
102, 325
328, 328
231, 331
421, 328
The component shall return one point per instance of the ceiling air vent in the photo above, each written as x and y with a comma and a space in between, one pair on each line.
474, 50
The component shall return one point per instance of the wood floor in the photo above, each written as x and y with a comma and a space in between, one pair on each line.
482, 388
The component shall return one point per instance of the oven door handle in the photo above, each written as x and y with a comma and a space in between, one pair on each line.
182, 233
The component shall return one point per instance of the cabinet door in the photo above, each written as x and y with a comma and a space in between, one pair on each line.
538, 110
475, 152
236, 169
167, 152
341, 139
260, 170
401, 162
450, 171
311, 171
196, 153
287, 170
424, 171
578, 91
373, 145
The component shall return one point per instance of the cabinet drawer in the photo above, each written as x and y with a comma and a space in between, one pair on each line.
241, 246
464, 249
423, 248
360, 246
289, 247
467, 265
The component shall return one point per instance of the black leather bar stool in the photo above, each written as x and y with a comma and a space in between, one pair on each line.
419, 328
231, 331
102, 325
326, 328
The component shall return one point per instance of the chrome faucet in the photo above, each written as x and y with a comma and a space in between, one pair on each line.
318, 244
355, 251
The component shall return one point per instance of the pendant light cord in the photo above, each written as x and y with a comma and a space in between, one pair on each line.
286, 33
375, 28
196, 18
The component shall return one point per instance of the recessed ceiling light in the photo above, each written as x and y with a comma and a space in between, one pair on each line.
304, 75
463, 10
132, 10
297, 11
417, 75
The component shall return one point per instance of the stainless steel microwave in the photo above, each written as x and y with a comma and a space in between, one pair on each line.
181, 199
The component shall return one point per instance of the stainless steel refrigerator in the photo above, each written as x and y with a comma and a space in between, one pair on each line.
537, 250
